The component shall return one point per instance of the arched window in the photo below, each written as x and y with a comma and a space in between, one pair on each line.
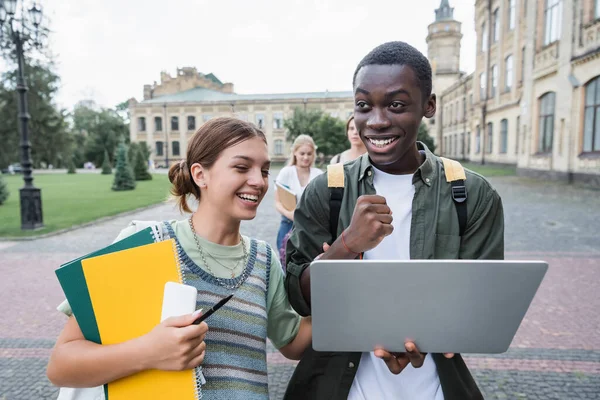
591, 125
503, 135
546, 124
508, 73
490, 133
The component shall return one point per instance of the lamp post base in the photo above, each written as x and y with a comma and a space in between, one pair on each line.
31, 208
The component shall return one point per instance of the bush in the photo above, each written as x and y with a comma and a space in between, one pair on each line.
141, 167
106, 167
3, 190
124, 178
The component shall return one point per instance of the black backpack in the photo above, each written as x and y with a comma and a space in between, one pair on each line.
455, 175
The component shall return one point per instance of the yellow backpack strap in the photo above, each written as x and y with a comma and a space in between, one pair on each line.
453, 170
335, 182
335, 175
455, 175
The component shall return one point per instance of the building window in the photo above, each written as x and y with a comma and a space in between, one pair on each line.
141, 124
508, 73
278, 121
191, 123
464, 108
260, 121
552, 20
174, 123
206, 117
490, 137
546, 126
522, 63
175, 148
477, 140
494, 80
495, 26
468, 142
278, 147
484, 37
503, 136
518, 131
591, 129
482, 84
157, 124
159, 148
511, 15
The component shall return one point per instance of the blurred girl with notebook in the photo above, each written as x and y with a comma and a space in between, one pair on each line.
226, 171
294, 177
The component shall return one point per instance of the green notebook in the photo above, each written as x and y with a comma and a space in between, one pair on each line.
72, 280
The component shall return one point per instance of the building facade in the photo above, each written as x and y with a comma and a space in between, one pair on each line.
174, 109
534, 98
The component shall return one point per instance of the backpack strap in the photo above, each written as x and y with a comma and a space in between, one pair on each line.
455, 175
335, 182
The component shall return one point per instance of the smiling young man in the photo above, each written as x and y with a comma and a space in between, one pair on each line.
397, 205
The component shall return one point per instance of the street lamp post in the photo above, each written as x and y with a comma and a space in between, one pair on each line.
16, 33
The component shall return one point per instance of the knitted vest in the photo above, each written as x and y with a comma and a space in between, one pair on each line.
235, 364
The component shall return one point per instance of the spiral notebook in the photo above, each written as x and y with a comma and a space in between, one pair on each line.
126, 292
73, 283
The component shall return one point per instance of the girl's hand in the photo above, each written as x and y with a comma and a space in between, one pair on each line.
176, 344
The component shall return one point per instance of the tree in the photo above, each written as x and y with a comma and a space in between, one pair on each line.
106, 167
141, 166
329, 133
49, 134
3, 190
124, 178
103, 129
72, 169
423, 136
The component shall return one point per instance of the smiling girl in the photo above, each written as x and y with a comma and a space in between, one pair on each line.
226, 170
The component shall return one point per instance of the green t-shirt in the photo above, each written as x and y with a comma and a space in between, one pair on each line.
283, 322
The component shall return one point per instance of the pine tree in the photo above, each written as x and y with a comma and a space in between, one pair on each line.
141, 167
124, 178
106, 168
3, 190
72, 169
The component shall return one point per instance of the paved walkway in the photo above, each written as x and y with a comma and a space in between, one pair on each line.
555, 354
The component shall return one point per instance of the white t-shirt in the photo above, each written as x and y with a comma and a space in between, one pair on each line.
288, 176
373, 380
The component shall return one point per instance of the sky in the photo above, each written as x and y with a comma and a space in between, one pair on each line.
107, 50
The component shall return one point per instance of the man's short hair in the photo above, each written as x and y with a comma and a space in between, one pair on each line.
400, 53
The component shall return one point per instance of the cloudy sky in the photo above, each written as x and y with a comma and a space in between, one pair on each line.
107, 50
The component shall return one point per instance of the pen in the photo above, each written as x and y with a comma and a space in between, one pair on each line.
212, 310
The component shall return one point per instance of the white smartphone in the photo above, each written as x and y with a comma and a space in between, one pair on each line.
178, 299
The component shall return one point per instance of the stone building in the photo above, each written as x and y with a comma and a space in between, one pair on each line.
534, 98
174, 109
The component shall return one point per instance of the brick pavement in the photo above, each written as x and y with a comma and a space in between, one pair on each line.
555, 354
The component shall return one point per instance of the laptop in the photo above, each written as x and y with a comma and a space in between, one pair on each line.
444, 306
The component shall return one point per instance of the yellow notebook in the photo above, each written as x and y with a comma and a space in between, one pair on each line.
126, 289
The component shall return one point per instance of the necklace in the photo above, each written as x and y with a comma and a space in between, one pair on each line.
235, 267
241, 278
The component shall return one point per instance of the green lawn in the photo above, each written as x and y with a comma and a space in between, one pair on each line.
492, 170
69, 200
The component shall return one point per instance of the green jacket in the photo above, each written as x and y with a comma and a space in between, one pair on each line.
434, 235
